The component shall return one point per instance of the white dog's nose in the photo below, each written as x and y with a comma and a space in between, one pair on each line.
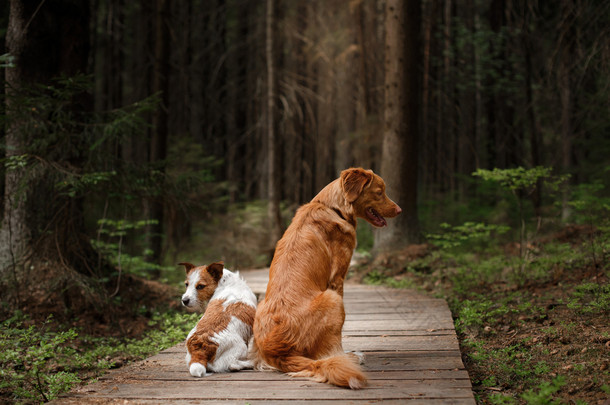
185, 301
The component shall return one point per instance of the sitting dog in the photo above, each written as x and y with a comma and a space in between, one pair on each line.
219, 341
298, 325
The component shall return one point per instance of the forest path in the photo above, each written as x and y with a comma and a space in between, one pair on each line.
410, 346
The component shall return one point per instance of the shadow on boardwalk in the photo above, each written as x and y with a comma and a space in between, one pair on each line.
410, 346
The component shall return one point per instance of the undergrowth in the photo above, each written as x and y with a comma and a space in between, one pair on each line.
543, 339
38, 362
531, 314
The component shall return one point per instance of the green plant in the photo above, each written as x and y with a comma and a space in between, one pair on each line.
34, 360
7, 61
501, 399
365, 236
591, 207
112, 248
375, 277
37, 363
590, 298
469, 232
474, 314
544, 395
522, 183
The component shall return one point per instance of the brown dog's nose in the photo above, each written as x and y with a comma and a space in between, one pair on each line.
398, 210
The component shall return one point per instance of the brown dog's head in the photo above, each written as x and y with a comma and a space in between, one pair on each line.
365, 191
201, 282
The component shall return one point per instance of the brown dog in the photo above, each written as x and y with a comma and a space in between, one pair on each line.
297, 328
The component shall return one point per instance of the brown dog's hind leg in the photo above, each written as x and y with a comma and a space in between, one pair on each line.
323, 334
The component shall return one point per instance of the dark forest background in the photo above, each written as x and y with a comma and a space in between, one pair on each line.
142, 133
138, 134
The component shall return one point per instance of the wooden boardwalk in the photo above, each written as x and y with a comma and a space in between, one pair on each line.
411, 354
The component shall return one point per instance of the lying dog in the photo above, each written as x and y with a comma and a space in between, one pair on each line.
219, 341
297, 328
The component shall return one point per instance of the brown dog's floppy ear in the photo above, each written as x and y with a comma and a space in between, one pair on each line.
353, 182
187, 266
215, 270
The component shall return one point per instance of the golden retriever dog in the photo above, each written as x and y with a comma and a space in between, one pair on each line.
297, 327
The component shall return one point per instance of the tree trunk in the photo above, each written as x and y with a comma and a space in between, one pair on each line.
46, 42
273, 209
153, 206
401, 121
565, 80
531, 122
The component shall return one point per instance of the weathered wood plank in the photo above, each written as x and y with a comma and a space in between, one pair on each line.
385, 316
414, 332
412, 323
181, 373
374, 361
404, 343
408, 339
176, 401
280, 390
383, 342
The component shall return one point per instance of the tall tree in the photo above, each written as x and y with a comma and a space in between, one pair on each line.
153, 206
274, 188
46, 40
399, 160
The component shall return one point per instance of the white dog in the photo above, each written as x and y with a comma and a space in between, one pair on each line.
219, 341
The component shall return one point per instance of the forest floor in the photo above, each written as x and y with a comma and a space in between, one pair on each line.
533, 334
532, 329
57, 340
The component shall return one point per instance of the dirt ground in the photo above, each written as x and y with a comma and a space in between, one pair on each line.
534, 336
97, 312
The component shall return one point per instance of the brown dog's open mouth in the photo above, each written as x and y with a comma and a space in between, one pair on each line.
374, 218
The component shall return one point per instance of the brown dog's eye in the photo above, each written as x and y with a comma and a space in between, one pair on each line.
200, 287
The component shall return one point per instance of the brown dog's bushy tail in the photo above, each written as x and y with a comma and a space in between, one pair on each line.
340, 370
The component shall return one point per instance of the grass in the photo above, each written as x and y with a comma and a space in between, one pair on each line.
39, 361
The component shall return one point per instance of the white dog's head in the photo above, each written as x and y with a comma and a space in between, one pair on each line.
201, 282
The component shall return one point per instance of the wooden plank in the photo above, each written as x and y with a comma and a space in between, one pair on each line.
381, 316
181, 374
385, 360
373, 297
177, 401
281, 390
393, 305
415, 332
384, 342
404, 343
411, 323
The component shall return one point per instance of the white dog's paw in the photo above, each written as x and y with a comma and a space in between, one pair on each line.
197, 370
240, 365
358, 355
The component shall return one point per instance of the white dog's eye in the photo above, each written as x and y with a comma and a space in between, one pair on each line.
200, 286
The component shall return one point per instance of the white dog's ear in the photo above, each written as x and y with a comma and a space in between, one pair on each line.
187, 266
215, 270
353, 182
